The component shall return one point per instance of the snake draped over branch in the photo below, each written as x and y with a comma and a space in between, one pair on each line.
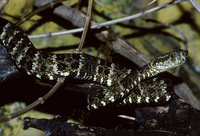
122, 83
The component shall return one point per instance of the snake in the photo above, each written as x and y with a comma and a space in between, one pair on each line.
122, 84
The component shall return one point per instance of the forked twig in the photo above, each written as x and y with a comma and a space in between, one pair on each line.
87, 23
34, 104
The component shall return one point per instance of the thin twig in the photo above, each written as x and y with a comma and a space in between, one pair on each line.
27, 17
195, 4
152, 2
3, 3
34, 104
172, 27
181, 33
87, 23
141, 14
99, 25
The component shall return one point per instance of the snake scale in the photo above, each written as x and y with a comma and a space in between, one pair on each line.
122, 83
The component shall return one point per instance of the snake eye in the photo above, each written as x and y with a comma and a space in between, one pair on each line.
171, 54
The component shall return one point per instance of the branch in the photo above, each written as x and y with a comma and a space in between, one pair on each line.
34, 104
27, 17
55, 127
121, 46
87, 23
195, 4
115, 21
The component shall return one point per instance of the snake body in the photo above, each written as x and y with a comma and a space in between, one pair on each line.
120, 81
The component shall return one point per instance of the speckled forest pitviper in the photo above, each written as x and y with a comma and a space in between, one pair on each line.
122, 83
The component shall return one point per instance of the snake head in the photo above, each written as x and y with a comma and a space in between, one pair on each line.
169, 60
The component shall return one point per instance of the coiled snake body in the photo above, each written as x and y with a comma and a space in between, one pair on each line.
120, 81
